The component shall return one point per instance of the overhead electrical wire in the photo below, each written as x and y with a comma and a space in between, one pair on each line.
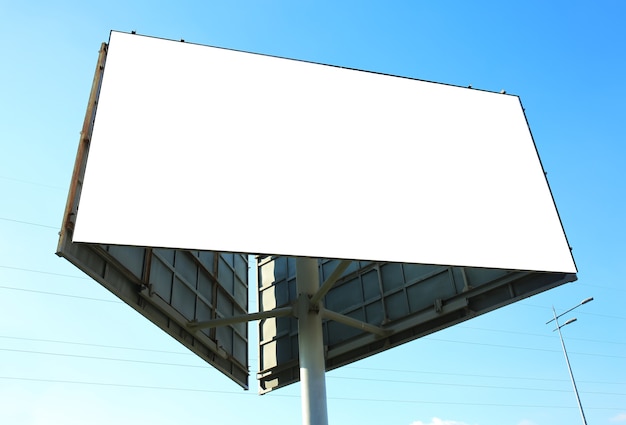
22, 269
30, 223
104, 358
117, 347
334, 377
506, 331
249, 394
13, 288
455, 384
203, 366
517, 347
474, 375
31, 183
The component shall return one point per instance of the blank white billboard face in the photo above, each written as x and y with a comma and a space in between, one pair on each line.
336, 163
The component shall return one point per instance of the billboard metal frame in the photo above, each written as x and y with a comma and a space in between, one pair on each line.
126, 272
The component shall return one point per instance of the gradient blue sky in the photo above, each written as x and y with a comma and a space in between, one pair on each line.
71, 353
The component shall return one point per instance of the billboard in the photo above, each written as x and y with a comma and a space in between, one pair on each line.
250, 147
197, 156
170, 287
401, 302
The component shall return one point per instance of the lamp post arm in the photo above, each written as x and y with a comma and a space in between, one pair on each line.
585, 301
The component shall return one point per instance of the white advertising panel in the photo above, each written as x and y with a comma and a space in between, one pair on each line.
205, 148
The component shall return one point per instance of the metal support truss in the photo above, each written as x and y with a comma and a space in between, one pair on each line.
328, 284
277, 312
355, 323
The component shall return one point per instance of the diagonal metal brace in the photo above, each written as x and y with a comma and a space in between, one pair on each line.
328, 284
277, 312
346, 320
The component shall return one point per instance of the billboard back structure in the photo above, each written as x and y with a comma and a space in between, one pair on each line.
387, 168
170, 287
374, 306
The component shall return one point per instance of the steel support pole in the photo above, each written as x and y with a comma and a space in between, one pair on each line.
311, 345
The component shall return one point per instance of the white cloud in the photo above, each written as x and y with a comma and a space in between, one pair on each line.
619, 418
437, 421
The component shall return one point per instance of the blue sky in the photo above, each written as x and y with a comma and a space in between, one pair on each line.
71, 353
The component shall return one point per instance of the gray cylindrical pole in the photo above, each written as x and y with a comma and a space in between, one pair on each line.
311, 345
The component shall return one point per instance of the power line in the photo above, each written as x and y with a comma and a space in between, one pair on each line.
518, 347
31, 182
472, 375
108, 384
450, 384
56, 341
330, 376
505, 331
104, 358
248, 394
608, 316
585, 313
43, 272
611, 288
29, 223
346, 367
60, 295
468, 403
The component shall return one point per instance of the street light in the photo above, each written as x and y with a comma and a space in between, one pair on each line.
569, 368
